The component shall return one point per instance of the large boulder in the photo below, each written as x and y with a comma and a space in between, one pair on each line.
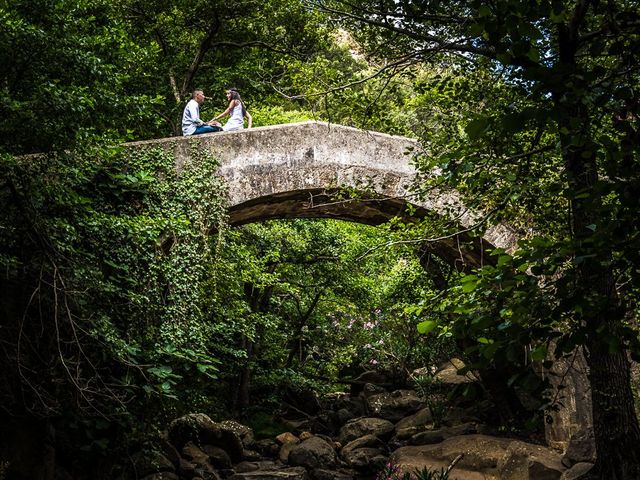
360, 427
524, 461
394, 406
429, 437
483, 458
315, 452
201, 430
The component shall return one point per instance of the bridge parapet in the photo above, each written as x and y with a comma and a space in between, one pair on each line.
294, 170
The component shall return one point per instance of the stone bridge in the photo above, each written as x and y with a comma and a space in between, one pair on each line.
296, 170
320, 170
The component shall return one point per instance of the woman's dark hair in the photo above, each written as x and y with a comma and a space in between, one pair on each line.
235, 95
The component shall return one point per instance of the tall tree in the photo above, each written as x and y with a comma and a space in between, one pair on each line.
574, 62
67, 73
214, 44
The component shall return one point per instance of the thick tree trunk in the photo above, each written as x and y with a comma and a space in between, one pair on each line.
597, 312
615, 424
616, 430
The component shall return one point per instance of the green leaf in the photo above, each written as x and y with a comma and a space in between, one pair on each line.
475, 128
539, 353
426, 326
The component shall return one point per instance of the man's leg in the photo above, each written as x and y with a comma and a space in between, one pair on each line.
204, 129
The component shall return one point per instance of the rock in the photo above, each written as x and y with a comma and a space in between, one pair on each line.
201, 430
456, 416
206, 474
364, 426
291, 473
421, 418
581, 449
285, 450
342, 416
355, 405
430, 437
200, 461
577, 471
287, 437
364, 458
267, 447
394, 406
194, 453
366, 441
368, 377
296, 425
325, 474
484, 457
370, 389
218, 457
524, 461
245, 433
305, 435
447, 373
314, 452
186, 468
364, 453
250, 455
244, 467
150, 462
569, 378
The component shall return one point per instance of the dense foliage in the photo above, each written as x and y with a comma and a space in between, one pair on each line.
564, 120
121, 281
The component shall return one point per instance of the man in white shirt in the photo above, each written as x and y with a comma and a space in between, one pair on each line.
191, 123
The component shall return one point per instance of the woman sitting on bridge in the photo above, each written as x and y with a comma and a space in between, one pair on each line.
236, 110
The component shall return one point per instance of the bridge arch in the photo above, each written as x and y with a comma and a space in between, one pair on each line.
296, 171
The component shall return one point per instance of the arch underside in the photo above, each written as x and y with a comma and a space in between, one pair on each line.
460, 249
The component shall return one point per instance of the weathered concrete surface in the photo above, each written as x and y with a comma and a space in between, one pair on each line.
296, 170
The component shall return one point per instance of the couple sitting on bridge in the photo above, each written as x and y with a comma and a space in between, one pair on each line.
192, 125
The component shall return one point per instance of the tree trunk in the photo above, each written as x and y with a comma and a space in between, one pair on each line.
615, 425
598, 312
616, 430
243, 399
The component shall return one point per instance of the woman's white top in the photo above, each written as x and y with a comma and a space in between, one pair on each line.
236, 121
